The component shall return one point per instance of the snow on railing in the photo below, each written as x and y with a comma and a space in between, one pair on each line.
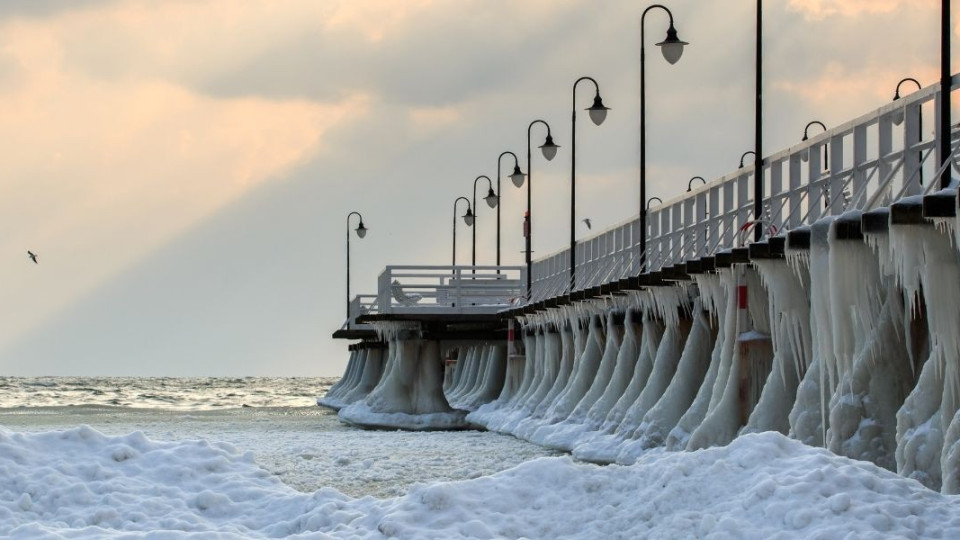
884, 150
449, 289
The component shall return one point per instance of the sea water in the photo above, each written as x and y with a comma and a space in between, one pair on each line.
276, 419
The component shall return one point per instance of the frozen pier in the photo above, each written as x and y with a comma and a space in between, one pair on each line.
833, 318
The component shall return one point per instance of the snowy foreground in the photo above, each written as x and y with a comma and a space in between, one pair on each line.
80, 483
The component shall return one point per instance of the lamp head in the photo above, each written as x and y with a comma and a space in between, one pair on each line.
492, 198
598, 112
468, 218
672, 47
361, 230
549, 149
897, 117
517, 176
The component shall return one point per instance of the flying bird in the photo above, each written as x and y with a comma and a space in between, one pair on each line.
587, 221
33, 256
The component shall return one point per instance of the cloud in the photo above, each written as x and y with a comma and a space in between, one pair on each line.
821, 9
107, 170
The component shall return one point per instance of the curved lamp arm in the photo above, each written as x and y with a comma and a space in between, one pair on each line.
690, 183
896, 93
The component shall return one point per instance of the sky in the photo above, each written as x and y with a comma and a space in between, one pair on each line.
184, 168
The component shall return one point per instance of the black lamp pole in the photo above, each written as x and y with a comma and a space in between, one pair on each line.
826, 148
467, 218
598, 113
490, 196
945, 92
361, 232
516, 174
672, 48
896, 96
549, 150
758, 128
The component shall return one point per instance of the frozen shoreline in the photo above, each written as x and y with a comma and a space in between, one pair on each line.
80, 483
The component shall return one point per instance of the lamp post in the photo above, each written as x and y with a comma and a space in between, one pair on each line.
898, 117
467, 218
945, 77
672, 49
361, 232
598, 113
650, 200
758, 126
492, 200
745, 155
517, 178
826, 149
549, 150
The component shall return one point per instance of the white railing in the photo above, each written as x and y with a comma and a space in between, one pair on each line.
880, 154
449, 289
362, 304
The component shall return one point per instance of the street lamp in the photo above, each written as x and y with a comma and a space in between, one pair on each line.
492, 200
899, 115
467, 218
672, 49
361, 232
598, 113
549, 150
517, 177
805, 155
745, 154
650, 200
945, 87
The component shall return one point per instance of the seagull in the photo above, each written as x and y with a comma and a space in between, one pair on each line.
33, 256
587, 221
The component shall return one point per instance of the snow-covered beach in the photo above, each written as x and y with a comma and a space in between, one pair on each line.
276, 472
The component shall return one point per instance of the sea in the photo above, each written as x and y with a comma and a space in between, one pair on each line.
276, 419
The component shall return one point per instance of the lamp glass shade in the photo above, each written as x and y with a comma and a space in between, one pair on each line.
361, 230
492, 199
549, 149
517, 176
468, 218
897, 117
598, 112
672, 47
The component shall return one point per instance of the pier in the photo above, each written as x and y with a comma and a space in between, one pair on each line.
826, 311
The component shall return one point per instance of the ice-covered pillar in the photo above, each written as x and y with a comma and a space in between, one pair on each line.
369, 377
410, 393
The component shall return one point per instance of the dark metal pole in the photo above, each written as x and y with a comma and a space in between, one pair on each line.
896, 96
945, 92
500, 194
643, 134
758, 129
573, 180
529, 216
348, 262
473, 256
455, 226
643, 146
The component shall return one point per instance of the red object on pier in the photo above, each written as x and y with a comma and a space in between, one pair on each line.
742, 297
